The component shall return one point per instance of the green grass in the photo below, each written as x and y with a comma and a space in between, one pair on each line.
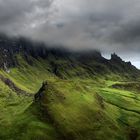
27, 77
83, 111
76, 109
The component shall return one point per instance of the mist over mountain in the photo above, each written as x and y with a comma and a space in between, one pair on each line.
61, 59
94, 24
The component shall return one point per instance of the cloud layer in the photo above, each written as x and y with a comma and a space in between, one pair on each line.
107, 25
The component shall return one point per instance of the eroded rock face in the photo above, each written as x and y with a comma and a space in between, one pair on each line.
6, 58
115, 57
10, 47
39, 94
7, 52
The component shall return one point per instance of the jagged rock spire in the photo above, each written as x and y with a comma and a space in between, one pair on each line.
115, 57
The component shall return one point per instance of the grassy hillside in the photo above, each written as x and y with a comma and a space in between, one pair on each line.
78, 105
83, 110
11, 105
29, 77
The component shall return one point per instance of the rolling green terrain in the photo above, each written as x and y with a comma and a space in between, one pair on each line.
101, 107
54, 94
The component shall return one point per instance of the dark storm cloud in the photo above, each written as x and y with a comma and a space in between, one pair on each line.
16, 15
108, 25
127, 33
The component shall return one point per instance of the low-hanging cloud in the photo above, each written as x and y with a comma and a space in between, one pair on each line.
107, 25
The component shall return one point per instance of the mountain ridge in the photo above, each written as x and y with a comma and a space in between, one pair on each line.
90, 62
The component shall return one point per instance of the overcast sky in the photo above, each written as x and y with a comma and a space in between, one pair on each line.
107, 25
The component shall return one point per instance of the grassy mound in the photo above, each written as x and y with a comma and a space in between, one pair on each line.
81, 111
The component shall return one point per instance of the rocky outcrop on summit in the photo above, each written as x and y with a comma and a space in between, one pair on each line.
117, 65
39, 94
115, 58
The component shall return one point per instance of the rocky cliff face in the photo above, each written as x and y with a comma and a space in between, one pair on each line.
84, 63
6, 55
